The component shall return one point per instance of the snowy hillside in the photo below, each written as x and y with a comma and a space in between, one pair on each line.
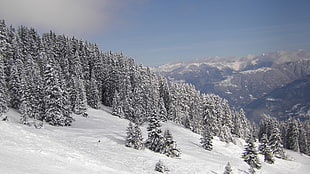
76, 149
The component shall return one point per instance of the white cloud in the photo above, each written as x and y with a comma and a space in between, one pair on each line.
74, 17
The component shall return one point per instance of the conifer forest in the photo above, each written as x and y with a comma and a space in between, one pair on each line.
49, 77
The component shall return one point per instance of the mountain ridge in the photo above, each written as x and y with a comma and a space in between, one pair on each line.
241, 80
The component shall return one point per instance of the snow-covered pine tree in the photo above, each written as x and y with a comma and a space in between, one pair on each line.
206, 139
225, 134
3, 88
275, 144
79, 101
263, 144
265, 150
228, 169
53, 99
25, 107
292, 136
250, 154
138, 144
245, 126
170, 147
162, 110
117, 107
92, 92
160, 167
251, 170
14, 84
155, 138
134, 137
268, 156
130, 136
303, 140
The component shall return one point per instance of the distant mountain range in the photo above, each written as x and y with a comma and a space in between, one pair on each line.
274, 83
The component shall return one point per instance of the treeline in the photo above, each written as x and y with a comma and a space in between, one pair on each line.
290, 134
49, 77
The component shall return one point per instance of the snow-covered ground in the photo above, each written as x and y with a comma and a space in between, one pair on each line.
76, 149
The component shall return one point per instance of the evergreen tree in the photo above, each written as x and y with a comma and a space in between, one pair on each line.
134, 137
53, 99
228, 169
268, 157
292, 135
130, 136
250, 154
155, 138
3, 89
25, 107
303, 140
15, 83
251, 170
265, 150
225, 134
138, 138
206, 139
117, 108
92, 92
170, 147
162, 110
160, 167
275, 144
78, 97
263, 144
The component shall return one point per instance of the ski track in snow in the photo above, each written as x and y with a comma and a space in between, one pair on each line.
76, 149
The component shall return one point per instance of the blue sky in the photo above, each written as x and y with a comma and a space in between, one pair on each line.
160, 31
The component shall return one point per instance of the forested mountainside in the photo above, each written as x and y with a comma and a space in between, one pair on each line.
247, 81
49, 77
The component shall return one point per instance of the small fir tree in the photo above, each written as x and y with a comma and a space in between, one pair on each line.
251, 170
268, 157
170, 147
265, 150
228, 169
250, 154
134, 137
155, 138
206, 139
130, 136
160, 167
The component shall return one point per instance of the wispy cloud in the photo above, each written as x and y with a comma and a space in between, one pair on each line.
76, 17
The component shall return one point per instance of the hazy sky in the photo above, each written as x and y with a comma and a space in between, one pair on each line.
161, 31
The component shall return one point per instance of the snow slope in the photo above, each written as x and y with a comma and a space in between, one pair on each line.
76, 149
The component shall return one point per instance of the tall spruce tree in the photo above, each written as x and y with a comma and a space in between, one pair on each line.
303, 139
292, 136
275, 144
53, 99
3, 89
